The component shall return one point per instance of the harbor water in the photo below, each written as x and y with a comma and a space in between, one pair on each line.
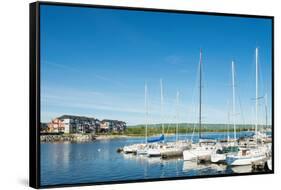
98, 161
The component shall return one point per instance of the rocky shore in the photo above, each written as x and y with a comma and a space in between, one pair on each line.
84, 137
68, 138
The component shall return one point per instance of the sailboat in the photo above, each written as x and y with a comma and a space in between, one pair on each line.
248, 156
155, 149
152, 147
231, 145
140, 149
204, 148
176, 148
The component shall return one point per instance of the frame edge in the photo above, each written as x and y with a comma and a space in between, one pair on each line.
34, 90
34, 168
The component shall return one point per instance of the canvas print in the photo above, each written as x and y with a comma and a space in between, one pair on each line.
135, 95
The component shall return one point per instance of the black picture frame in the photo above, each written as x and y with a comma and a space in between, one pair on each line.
34, 91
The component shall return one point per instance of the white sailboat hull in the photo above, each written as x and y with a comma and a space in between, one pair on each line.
195, 154
234, 160
269, 163
215, 158
128, 149
171, 152
153, 152
133, 148
243, 161
189, 155
142, 152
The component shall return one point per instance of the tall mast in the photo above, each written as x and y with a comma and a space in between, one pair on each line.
228, 126
146, 110
257, 90
161, 93
200, 91
266, 110
177, 127
233, 98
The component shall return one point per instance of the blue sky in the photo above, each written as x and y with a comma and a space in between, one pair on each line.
95, 62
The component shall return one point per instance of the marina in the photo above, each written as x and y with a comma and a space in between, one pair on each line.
133, 96
254, 151
95, 160
163, 155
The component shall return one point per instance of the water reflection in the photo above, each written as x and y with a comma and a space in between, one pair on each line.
242, 169
143, 159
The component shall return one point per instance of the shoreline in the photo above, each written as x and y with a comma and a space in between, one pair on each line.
105, 137
76, 138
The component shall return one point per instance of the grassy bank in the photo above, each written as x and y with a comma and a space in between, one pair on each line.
139, 130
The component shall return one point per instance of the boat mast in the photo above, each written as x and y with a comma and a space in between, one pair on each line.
228, 126
146, 110
233, 98
200, 91
257, 91
161, 91
177, 127
266, 110
228, 120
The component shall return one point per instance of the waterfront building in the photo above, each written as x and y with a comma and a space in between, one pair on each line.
104, 126
73, 124
80, 124
108, 125
56, 126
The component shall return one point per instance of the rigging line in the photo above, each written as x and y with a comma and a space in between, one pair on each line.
193, 132
261, 79
194, 92
177, 114
239, 98
200, 93
162, 100
241, 109
263, 84
228, 120
250, 80
186, 131
195, 106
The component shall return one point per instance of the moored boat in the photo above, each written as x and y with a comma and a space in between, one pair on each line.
155, 150
246, 156
201, 151
230, 146
204, 148
129, 149
175, 149
258, 152
220, 154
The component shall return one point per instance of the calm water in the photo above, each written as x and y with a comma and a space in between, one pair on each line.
98, 161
